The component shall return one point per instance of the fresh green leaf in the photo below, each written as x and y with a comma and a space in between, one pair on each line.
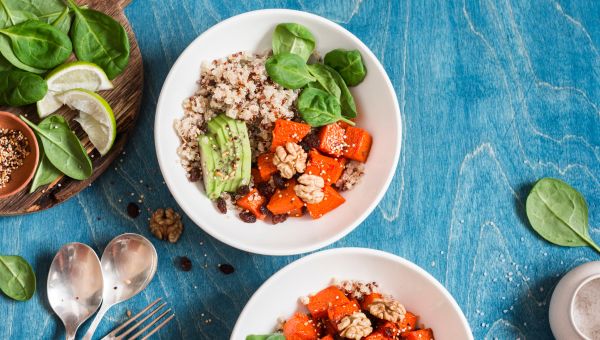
38, 44
319, 108
559, 214
63, 21
5, 65
62, 147
46, 173
18, 88
348, 64
8, 54
275, 336
13, 12
17, 279
293, 38
346, 98
288, 70
100, 39
325, 79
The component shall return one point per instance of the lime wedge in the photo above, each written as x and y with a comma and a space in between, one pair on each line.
95, 117
75, 75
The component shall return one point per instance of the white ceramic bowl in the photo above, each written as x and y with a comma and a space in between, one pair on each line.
378, 113
414, 287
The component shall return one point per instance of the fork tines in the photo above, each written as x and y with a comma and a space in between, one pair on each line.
121, 332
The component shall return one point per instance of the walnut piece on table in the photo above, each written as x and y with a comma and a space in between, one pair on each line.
166, 224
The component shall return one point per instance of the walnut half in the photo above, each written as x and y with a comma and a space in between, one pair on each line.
290, 159
355, 326
310, 188
166, 225
387, 309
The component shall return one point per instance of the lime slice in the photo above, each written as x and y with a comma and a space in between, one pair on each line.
75, 75
95, 117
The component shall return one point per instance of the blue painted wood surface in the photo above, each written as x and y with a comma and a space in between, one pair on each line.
494, 95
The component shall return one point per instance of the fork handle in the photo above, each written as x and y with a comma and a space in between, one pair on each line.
90, 332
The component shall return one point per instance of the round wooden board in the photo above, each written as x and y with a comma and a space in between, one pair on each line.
125, 100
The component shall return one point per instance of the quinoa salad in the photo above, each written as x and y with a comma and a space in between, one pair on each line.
350, 310
273, 135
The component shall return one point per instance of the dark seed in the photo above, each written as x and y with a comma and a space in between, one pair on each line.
226, 268
133, 210
222, 205
243, 190
279, 218
185, 264
265, 189
280, 182
194, 175
247, 217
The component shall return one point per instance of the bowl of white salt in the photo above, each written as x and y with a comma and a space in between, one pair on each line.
575, 305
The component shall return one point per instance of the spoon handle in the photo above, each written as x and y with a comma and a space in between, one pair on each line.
90, 332
70, 334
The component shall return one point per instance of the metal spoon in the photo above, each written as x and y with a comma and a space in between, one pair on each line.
75, 285
128, 264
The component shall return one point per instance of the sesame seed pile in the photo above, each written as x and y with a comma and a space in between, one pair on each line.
14, 147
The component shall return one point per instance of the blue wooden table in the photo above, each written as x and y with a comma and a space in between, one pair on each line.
494, 95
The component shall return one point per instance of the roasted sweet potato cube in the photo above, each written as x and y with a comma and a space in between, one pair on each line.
319, 303
329, 168
288, 131
327, 337
265, 165
369, 300
378, 335
332, 140
358, 144
338, 312
331, 201
253, 202
421, 334
408, 323
285, 201
300, 327
390, 329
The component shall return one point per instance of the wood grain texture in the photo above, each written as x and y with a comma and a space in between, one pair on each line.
125, 100
494, 95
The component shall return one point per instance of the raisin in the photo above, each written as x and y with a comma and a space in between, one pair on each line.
226, 268
265, 189
243, 190
247, 217
279, 218
133, 210
222, 205
194, 175
264, 210
311, 141
185, 264
280, 182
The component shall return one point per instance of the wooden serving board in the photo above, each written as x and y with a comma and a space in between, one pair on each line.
125, 100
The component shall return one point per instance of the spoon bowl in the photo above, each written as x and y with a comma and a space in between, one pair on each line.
75, 285
128, 263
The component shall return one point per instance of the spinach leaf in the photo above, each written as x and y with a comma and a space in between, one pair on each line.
5, 65
62, 147
275, 336
293, 38
63, 21
46, 173
100, 39
559, 214
13, 12
7, 53
346, 98
348, 64
17, 279
18, 88
325, 79
288, 70
38, 44
319, 108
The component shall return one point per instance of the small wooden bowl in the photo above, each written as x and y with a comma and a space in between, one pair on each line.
21, 176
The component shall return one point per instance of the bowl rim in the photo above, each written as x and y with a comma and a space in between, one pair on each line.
584, 282
35, 151
353, 251
239, 244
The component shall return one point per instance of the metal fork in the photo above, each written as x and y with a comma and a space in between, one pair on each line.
113, 335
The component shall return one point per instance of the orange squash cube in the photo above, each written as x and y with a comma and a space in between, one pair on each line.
288, 131
358, 143
331, 201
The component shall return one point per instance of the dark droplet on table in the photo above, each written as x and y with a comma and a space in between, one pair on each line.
226, 268
133, 210
185, 264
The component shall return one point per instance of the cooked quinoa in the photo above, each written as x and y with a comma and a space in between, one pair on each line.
351, 176
14, 147
238, 86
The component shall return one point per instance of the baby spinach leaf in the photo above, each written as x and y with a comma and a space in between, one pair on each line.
18, 88
325, 79
319, 108
13, 12
45, 10
17, 279
275, 336
345, 97
46, 173
63, 21
100, 39
62, 147
38, 44
559, 214
5, 65
288, 70
348, 64
293, 38
7, 53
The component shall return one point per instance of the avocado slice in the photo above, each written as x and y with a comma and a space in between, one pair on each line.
210, 159
235, 181
224, 142
246, 158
